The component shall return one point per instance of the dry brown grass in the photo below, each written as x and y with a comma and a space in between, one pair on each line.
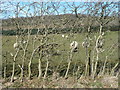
71, 82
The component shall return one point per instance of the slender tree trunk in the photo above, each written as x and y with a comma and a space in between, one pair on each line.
92, 67
13, 71
104, 66
70, 59
86, 67
14, 62
5, 67
101, 29
113, 69
77, 70
29, 65
30, 62
46, 69
29, 69
97, 51
96, 63
5, 72
22, 68
39, 66
67, 69
74, 69
24, 55
89, 63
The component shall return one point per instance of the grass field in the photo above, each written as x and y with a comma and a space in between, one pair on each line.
59, 61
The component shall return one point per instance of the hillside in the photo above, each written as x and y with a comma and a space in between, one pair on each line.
56, 21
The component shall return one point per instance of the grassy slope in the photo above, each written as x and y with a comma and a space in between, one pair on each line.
79, 58
111, 37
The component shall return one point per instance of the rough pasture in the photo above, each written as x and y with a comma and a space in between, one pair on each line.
111, 37
58, 61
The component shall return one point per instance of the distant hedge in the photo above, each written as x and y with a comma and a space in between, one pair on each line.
8, 32
53, 31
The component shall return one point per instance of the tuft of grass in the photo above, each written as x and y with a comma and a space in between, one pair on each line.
96, 84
